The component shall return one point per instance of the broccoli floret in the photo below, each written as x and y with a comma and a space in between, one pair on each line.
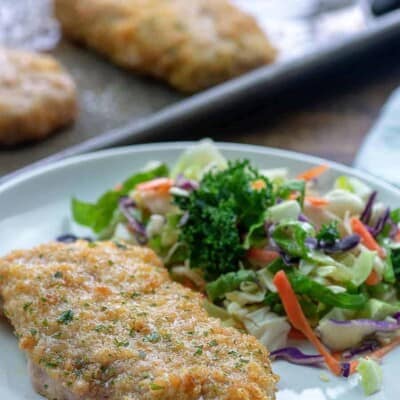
221, 212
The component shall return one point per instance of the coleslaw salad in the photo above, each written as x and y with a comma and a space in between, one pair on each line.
273, 255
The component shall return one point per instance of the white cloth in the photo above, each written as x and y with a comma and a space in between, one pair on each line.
380, 153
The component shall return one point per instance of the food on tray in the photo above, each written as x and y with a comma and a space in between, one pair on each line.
103, 320
37, 96
190, 44
274, 253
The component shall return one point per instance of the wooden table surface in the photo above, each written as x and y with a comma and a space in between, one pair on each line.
327, 115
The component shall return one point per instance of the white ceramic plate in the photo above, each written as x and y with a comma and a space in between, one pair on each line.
34, 208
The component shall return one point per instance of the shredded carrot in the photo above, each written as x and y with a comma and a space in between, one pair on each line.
189, 284
258, 184
366, 238
261, 255
317, 201
373, 278
313, 173
380, 353
397, 238
118, 187
160, 185
296, 335
299, 321
377, 354
353, 366
337, 355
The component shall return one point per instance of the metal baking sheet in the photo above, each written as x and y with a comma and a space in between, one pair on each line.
117, 107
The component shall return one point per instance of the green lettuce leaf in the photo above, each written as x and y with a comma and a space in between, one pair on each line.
395, 260
228, 283
378, 309
256, 235
290, 236
395, 215
314, 290
287, 188
99, 215
389, 272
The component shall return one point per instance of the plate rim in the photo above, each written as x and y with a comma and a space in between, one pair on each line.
182, 145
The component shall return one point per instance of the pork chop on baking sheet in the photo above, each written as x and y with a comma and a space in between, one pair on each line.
190, 44
37, 96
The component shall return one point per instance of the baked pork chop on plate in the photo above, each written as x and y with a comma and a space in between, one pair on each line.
105, 321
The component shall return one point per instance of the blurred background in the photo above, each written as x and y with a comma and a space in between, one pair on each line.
337, 64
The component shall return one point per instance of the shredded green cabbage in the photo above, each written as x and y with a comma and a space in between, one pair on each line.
371, 375
198, 160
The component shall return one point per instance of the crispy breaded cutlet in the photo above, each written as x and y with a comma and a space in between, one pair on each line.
104, 321
190, 44
37, 96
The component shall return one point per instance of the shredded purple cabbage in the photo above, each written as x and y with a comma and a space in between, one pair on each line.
345, 372
394, 229
378, 326
186, 184
382, 221
71, 238
296, 356
365, 347
380, 224
126, 206
184, 219
367, 212
269, 228
311, 243
289, 261
67, 238
345, 244
303, 218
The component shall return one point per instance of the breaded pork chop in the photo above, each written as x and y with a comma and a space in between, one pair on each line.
190, 44
37, 96
104, 321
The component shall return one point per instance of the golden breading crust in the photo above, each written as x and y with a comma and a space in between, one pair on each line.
191, 44
36, 96
106, 322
